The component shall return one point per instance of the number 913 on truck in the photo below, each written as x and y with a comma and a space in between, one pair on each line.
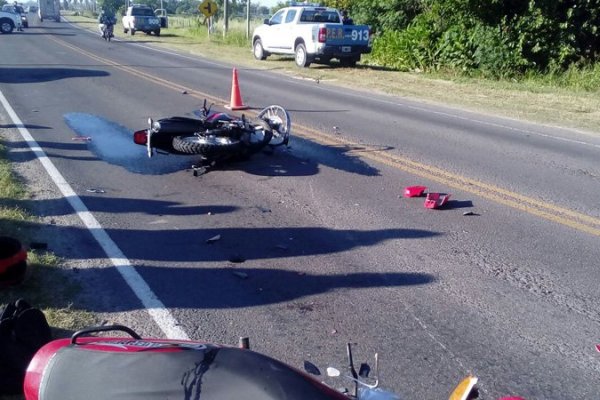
313, 34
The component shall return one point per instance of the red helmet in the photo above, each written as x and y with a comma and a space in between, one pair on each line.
13, 261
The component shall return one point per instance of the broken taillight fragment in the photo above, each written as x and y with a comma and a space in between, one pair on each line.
414, 191
140, 137
436, 200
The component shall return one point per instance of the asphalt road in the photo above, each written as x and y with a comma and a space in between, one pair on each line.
317, 246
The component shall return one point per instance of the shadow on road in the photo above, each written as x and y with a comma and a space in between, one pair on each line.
38, 75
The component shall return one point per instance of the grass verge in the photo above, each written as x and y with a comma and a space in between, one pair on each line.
46, 287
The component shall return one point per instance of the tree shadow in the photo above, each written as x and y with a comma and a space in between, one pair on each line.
234, 287
46, 33
191, 245
38, 75
26, 126
229, 287
138, 41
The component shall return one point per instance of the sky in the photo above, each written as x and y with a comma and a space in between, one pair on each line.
266, 3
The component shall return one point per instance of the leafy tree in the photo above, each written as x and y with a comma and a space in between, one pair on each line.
112, 5
382, 15
494, 37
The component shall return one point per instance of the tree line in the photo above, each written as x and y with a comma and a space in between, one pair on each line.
498, 38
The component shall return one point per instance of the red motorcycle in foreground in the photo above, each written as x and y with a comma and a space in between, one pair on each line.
92, 367
216, 136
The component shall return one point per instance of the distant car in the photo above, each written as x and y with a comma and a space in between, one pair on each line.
9, 21
19, 10
32, 9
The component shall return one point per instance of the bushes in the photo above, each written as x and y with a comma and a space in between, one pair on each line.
409, 50
464, 47
493, 38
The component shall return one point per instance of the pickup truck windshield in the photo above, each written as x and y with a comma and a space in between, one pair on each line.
319, 16
142, 12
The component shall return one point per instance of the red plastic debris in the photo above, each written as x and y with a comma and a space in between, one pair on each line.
598, 347
436, 200
414, 191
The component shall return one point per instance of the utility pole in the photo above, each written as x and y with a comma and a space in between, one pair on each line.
247, 19
225, 17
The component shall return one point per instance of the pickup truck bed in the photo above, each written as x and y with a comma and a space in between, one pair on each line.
141, 18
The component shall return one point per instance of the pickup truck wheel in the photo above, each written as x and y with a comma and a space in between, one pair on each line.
157, 32
6, 26
259, 51
301, 56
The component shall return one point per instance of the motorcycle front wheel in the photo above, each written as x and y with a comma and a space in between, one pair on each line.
208, 146
280, 123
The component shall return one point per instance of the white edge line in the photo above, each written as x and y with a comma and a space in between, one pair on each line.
157, 310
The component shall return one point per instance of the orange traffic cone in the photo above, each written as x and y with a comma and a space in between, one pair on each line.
236, 97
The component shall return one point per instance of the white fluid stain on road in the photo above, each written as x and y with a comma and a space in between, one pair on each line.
114, 144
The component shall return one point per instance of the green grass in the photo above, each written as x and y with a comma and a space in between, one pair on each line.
46, 287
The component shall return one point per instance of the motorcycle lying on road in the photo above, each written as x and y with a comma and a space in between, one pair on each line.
94, 366
216, 136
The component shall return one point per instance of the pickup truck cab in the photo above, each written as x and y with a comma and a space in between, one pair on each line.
140, 18
312, 34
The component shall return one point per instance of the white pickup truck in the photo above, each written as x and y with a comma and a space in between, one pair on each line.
313, 34
139, 17
9, 21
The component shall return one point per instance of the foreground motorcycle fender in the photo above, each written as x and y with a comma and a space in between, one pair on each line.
100, 368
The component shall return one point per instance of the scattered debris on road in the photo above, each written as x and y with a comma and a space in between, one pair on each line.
241, 275
213, 239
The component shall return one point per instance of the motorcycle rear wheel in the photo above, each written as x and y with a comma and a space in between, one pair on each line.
208, 146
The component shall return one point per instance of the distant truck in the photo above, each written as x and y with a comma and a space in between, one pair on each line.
140, 18
312, 34
49, 9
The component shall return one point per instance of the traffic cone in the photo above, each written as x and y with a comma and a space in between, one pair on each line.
236, 98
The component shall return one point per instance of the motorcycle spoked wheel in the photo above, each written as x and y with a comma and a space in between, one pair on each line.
279, 121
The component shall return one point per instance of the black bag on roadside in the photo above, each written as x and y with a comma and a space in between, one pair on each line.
23, 331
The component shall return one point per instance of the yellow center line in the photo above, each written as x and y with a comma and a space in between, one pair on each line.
534, 206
